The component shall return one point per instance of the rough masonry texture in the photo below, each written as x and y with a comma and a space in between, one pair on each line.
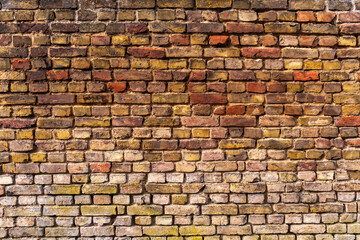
180, 119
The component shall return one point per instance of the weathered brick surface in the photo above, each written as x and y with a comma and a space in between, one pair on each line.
179, 119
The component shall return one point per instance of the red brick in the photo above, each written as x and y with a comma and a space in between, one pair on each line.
100, 40
218, 40
197, 75
100, 167
235, 110
213, 98
306, 76
238, 121
18, 123
325, 16
58, 75
20, 64
256, 87
261, 52
117, 86
276, 87
348, 122
136, 27
127, 121
180, 40
305, 17
102, 75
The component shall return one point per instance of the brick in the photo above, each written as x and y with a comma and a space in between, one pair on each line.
98, 210
200, 121
260, 52
57, 4
220, 209
306, 5
196, 230
61, 210
307, 228
205, 27
282, 27
99, 189
213, 98
27, 4
137, 4
167, 27
213, 4
141, 52
175, 4
54, 123
132, 75
62, 231
144, 210
255, 209
278, 4
244, 28
183, 52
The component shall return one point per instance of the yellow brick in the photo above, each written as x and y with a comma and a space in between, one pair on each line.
198, 39
61, 111
313, 65
140, 40
350, 110
179, 199
176, 87
63, 134
38, 157
351, 87
126, 15
60, 40
182, 110
201, 133
43, 134
181, 133
295, 87
158, 64
349, 41
82, 111
120, 110
177, 64
19, 157
61, 63
141, 167
18, 87
62, 189
79, 178
197, 64
140, 63
271, 133
22, 112
121, 40
332, 65
101, 63
191, 156
296, 155
81, 40
25, 134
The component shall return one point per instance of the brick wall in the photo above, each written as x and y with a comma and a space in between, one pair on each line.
179, 119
